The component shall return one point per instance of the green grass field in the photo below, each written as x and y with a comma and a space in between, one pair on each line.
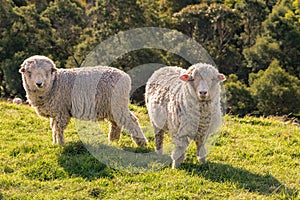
253, 158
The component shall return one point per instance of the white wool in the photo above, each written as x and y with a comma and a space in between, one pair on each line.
87, 93
177, 106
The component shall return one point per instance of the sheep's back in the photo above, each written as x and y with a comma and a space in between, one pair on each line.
163, 96
163, 83
91, 90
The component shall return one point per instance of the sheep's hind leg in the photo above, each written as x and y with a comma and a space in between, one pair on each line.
114, 132
132, 126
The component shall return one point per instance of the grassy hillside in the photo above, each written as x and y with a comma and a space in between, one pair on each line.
254, 158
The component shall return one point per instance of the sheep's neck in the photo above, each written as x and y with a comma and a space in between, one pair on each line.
38, 98
205, 112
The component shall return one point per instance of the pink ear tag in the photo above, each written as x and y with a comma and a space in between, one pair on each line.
184, 77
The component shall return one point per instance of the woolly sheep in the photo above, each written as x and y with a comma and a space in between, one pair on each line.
89, 93
187, 103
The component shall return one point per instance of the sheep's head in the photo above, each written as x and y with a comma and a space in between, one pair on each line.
38, 73
204, 81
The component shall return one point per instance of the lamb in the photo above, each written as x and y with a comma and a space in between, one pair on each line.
187, 103
89, 93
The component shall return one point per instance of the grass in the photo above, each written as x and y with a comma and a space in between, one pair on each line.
253, 158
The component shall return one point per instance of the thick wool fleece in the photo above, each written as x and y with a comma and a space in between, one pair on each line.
92, 93
173, 105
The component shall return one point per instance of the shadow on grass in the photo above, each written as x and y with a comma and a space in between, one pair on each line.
78, 162
263, 184
79, 159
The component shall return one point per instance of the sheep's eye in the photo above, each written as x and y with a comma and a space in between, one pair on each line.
29, 74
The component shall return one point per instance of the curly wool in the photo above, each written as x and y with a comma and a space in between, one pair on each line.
91, 93
173, 105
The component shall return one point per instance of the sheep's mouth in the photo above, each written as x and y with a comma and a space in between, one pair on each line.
38, 88
203, 98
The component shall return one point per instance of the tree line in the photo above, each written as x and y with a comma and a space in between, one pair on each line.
255, 43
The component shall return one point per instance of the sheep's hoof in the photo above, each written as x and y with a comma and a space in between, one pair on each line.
159, 152
114, 139
58, 143
142, 142
202, 159
175, 164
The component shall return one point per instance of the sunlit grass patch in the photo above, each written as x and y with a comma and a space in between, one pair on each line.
252, 158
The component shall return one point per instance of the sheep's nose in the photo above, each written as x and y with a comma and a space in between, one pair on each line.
39, 84
203, 93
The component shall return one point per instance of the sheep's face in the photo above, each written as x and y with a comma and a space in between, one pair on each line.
38, 73
203, 81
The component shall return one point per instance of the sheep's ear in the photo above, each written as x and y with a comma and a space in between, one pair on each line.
188, 76
54, 69
184, 77
221, 77
22, 69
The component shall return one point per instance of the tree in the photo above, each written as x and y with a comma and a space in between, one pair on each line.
68, 20
173, 6
253, 13
276, 91
215, 26
25, 34
104, 20
238, 97
280, 40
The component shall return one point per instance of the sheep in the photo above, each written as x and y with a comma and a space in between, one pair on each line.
187, 104
17, 100
88, 93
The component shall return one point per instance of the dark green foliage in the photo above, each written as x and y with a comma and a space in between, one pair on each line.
26, 33
276, 91
67, 21
242, 36
215, 27
253, 14
238, 97
280, 40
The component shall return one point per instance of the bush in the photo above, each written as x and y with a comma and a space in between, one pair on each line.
239, 99
276, 91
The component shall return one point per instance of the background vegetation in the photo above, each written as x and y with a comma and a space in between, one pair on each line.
255, 43
245, 39
253, 158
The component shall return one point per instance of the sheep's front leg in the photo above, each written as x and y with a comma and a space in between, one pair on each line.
178, 155
159, 139
201, 150
58, 125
